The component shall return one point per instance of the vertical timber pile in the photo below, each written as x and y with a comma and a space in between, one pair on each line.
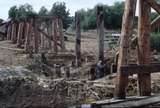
28, 35
9, 30
20, 34
54, 34
49, 31
78, 39
100, 30
14, 32
61, 34
144, 80
36, 36
42, 37
127, 27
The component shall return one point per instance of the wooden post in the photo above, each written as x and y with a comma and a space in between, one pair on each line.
100, 30
20, 34
45, 38
126, 33
78, 39
58, 70
42, 38
49, 31
14, 32
61, 34
28, 35
9, 31
54, 34
67, 71
36, 36
144, 80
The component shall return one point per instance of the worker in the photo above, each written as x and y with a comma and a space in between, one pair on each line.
100, 69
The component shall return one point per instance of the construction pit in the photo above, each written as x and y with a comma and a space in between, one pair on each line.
29, 82
43, 67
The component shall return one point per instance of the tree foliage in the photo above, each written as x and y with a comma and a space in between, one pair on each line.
21, 12
153, 15
13, 12
112, 16
59, 10
43, 11
155, 41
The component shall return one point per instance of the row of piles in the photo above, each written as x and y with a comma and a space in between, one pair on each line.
37, 34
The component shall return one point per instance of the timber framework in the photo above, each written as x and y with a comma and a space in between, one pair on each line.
144, 67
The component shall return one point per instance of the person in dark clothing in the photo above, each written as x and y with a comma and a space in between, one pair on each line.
100, 70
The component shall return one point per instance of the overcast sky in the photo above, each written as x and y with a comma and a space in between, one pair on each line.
72, 5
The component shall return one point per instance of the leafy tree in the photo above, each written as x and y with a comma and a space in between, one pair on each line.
43, 11
21, 12
13, 12
155, 41
112, 16
59, 10
153, 15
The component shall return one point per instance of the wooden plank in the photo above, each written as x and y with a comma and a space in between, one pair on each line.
103, 103
137, 69
144, 80
126, 33
135, 104
78, 39
100, 30
47, 36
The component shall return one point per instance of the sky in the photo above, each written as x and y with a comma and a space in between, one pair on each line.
72, 5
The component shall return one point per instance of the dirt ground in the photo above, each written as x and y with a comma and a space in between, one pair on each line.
100, 89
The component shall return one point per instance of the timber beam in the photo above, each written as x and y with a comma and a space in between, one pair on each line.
154, 5
140, 69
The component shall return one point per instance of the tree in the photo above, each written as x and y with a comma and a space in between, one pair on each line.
43, 11
59, 10
112, 16
153, 15
13, 12
21, 12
